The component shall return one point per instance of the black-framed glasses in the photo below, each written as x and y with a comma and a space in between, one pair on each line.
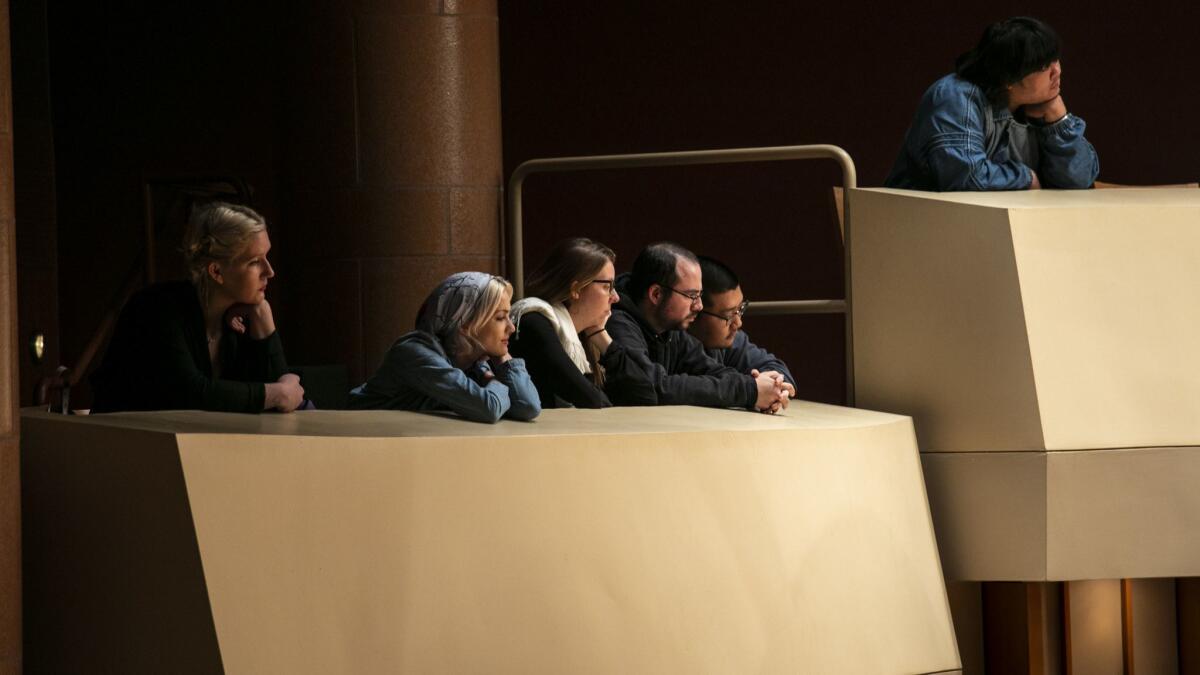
608, 283
740, 310
694, 296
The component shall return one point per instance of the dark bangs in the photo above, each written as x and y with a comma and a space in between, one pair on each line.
1007, 52
1041, 48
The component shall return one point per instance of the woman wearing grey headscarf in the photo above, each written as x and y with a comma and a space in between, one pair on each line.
457, 358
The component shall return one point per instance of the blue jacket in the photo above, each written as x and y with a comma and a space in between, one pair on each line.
744, 356
417, 375
959, 142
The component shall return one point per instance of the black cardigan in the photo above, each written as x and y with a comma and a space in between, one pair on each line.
158, 359
558, 381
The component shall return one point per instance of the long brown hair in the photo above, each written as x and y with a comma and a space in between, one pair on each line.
571, 265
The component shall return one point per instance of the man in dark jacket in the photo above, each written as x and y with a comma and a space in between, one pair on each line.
719, 326
659, 299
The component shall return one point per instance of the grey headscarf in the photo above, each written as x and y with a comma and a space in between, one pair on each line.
448, 306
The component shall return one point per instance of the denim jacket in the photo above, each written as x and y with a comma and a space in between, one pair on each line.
959, 142
417, 375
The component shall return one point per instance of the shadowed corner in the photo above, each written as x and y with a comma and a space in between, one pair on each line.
111, 571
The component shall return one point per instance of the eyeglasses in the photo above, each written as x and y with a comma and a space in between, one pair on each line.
694, 296
740, 310
604, 282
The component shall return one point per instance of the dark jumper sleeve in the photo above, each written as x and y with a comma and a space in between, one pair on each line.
624, 380
553, 372
184, 385
158, 359
708, 382
256, 360
640, 373
692, 378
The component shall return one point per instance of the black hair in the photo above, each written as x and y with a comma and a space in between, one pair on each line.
1007, 52
656, 264
718, 278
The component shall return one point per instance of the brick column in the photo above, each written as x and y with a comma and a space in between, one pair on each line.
392, 169
10, 504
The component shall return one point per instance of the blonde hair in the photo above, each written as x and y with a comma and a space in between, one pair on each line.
217, 232
464, 341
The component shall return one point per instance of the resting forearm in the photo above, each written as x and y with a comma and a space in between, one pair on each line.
273, 396
523, 397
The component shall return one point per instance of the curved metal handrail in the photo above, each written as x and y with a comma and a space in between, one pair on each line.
514, 227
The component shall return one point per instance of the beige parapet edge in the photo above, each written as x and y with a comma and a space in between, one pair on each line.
1045, 320
1067, 515
620, 540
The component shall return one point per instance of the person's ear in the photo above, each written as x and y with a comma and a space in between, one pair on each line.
655, 294
214, 272
574, 290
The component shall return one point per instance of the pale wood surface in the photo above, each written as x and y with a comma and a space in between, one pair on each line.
1101, 185
1035, 516
939, 327
395, 423
1133, 197
625, 540
1045, 320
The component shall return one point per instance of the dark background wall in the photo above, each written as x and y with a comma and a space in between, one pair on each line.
623, 76
105, 98
147, 88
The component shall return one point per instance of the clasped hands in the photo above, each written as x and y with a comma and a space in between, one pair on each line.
774, 392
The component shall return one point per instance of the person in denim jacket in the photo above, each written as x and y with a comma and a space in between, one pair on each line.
999, 121
457, 358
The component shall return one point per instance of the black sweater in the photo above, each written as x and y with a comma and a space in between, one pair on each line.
158, 359
673, 366
559, 382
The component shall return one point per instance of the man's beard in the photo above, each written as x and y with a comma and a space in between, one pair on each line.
667, 324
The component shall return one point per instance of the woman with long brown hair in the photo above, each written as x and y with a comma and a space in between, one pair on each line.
561, 327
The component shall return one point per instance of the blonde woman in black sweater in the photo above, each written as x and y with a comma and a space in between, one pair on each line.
208, 343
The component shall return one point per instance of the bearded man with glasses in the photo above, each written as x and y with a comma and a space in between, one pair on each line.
660, 298
719, 326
